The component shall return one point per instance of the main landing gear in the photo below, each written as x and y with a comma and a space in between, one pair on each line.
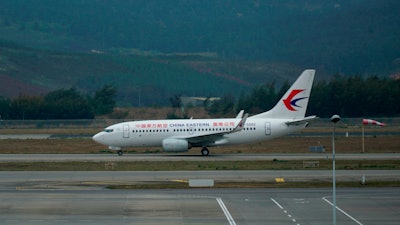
204, 151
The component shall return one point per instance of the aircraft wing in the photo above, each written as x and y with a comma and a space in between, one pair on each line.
301, 121
218, 136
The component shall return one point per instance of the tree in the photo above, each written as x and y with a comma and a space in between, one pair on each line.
261, 98
104, 100
26, 107
224, 106
176, 101
4, 108
67, 104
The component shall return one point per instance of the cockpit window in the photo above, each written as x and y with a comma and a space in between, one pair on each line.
108, 130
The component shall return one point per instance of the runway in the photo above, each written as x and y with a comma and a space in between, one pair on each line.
200, 206
80, 197
189, 157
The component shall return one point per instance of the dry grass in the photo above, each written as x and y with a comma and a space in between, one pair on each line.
380, 144
63, 131
155, 113
30, 146
197, 165
252, 184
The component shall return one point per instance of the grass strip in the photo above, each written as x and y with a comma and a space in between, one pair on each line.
201, 165
313, 184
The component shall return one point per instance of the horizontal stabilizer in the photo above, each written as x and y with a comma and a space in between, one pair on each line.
301, 121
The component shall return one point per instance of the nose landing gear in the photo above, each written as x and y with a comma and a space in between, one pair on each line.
118, 149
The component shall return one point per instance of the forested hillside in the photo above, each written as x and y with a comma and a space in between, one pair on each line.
150, 50
347, 36
139, 80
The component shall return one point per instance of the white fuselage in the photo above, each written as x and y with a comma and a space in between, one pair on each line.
151, 133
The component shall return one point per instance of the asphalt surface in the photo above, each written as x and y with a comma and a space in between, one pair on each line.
188, 157
200, 206
80, 197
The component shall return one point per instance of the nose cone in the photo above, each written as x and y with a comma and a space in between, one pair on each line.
99, 138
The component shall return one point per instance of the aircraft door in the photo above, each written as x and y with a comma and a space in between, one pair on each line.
267, 128
125, 131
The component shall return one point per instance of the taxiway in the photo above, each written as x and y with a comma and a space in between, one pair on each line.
200, 206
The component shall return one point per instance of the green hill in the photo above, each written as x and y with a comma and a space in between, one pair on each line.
140, 80
347, 36
151, 50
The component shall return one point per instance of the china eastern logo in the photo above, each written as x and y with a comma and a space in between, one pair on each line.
291, 102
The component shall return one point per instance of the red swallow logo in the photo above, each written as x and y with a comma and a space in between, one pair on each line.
290, 103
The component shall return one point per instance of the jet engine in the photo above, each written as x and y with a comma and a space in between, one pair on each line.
175, 145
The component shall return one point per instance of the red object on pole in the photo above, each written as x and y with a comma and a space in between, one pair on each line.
372, 122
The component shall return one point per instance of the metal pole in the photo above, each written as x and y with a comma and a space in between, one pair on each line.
333, 175
334, 119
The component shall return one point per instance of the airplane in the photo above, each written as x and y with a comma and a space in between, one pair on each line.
180, 135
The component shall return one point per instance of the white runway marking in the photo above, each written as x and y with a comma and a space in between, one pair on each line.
285, 211
342, 211
226, 212
276, 203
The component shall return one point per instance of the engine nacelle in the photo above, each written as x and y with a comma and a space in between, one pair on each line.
175, 145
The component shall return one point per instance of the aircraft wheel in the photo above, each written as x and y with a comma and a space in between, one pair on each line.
120, 152
205, 151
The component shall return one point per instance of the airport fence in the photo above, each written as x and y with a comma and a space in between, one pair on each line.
48, 124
